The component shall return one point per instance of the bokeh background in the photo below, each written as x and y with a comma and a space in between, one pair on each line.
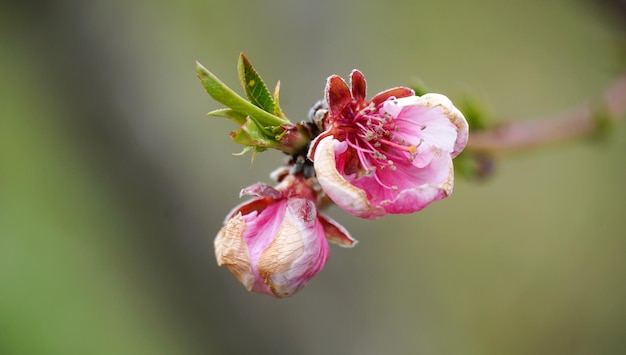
113, 182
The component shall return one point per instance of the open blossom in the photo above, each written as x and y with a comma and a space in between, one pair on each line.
277, 242
392, 154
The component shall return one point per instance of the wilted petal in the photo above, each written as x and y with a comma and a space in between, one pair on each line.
261, 190
232, 251
298, 253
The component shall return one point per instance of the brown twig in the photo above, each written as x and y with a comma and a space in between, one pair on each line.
575, 123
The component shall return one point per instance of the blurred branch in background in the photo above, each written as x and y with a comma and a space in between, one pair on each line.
587, 120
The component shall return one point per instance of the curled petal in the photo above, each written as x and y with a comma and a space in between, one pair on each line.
413, 200
343, 193
395, 92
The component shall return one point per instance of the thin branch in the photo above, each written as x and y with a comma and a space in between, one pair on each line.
575, 123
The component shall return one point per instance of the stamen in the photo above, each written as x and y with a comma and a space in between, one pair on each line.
382, 183
409, 148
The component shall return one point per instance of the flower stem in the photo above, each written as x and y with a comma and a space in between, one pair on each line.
581, 121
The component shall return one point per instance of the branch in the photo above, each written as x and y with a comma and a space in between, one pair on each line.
578, 122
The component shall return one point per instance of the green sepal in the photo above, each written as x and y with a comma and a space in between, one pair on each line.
277, 111
249, 134
474, 166
419, 87
475, 113
602, 122
244, 151
237, 117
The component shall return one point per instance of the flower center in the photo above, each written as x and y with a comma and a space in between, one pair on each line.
374, 137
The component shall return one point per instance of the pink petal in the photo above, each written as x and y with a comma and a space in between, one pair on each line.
260, 232
413, 200
418, 122
423, 185
416, 198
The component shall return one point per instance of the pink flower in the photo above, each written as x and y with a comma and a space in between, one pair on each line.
276, 243
392, 154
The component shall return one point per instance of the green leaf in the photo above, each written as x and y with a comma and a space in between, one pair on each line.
254, 86
226, 96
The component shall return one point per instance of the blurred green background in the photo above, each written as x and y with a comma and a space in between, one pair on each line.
113, 182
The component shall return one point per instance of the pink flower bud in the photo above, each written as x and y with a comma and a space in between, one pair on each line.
276, 243
392, 154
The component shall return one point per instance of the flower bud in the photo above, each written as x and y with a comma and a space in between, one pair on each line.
276, 243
